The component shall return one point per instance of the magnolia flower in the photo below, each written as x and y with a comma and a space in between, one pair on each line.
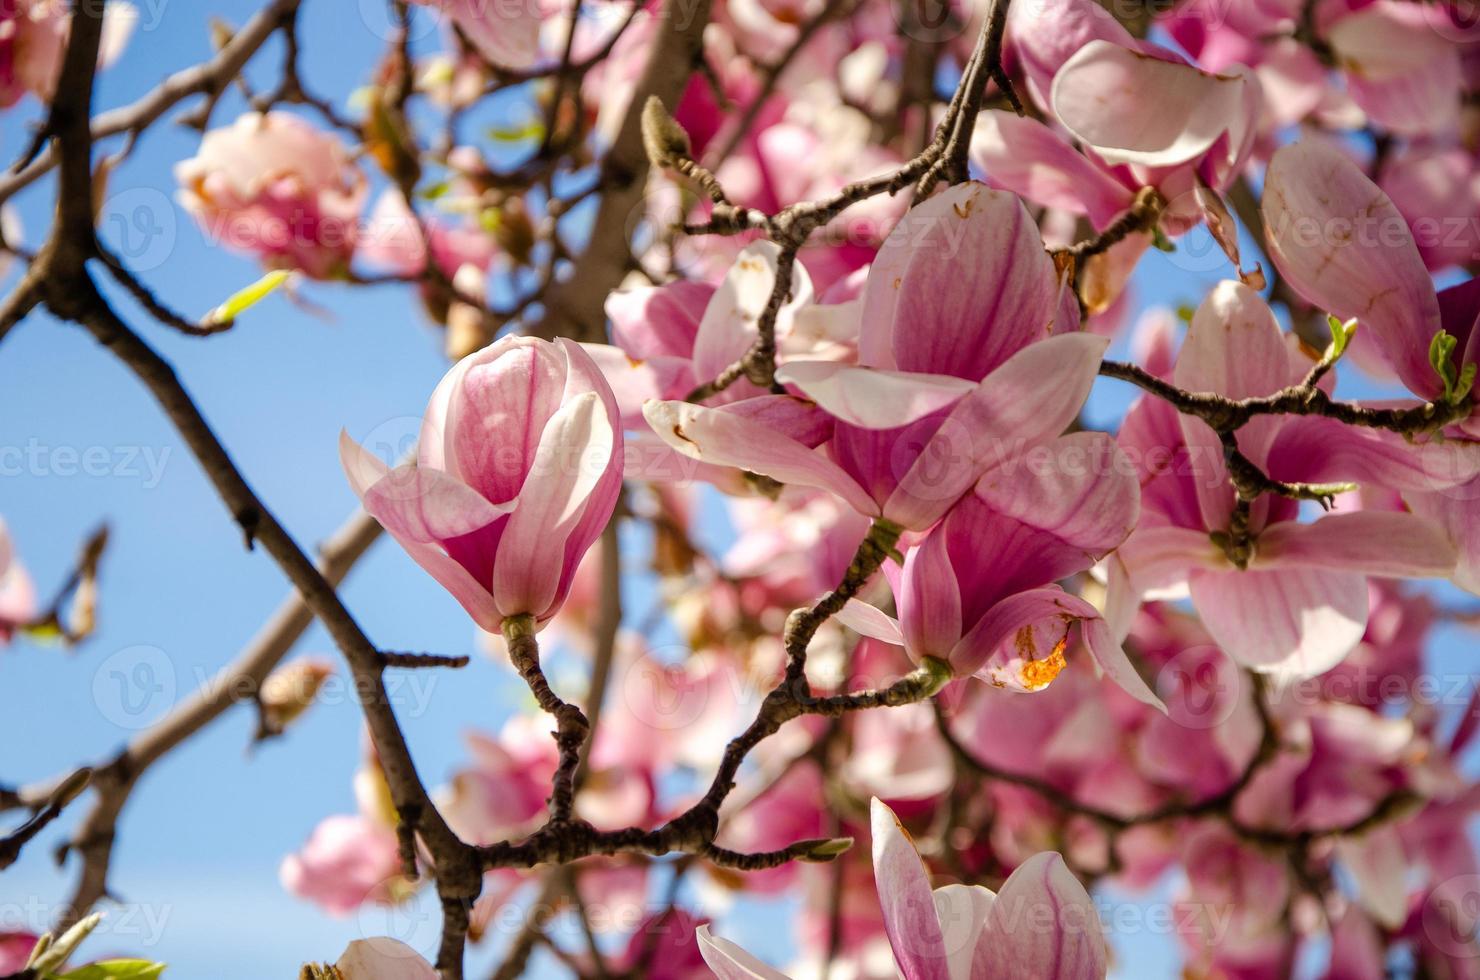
15, 950
17, 594
1043, 517
1433, 184
669, 338
1400, 62
1143, 116
1041, 924
506, 32
33, 38
1252, 938
518, 469
1292, 603
949, 374
1340, 242
396, 240
273, 186
351, 859
382, 958
662, 947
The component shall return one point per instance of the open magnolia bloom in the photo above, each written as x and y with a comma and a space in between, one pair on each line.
1132, 114
1042, 518
953, 371
273, 185
1340, 242
518, 468
1289, 598
1400, 64
1042, 922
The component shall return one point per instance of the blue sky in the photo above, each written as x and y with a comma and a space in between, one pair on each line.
203, 834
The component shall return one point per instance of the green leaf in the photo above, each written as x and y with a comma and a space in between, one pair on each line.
244, 299
433, 191
1161, 241
1341, 336
533, 129
1466, 382
116, 970
1441, 350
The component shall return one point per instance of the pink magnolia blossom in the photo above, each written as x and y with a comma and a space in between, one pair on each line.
1040, 924
1144, 117
668, 713
1437, 188
1401, 65
33, 38
790, 550
1298, 602
667, 339
502, 794
664, 948
1341, 243
393, 239
949, 374
274, 186
1336, 764
1043, 516
811, 155
383, 958
506, 32
17, 594
898, 756
15, 950
351, 859
518, 469
1235, 920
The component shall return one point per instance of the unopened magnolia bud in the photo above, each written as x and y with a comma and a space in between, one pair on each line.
289, 690
72, 787
662, 136
43, 943
823, 850
51, 959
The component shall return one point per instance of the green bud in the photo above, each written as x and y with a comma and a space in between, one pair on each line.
823, 849
662, 137
54, 956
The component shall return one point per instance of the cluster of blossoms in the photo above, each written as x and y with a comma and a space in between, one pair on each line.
1013, 657
1272, 734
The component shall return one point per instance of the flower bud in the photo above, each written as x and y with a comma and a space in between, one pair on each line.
518, 469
